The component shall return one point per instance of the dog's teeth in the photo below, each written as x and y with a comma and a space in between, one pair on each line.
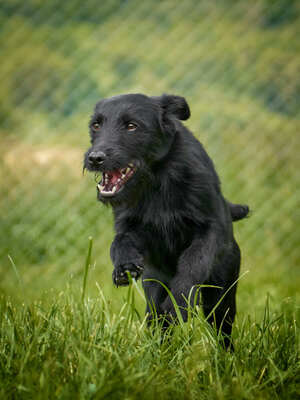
100, 187
114, 189
128, 170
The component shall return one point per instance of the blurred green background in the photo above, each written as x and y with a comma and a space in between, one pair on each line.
238, 65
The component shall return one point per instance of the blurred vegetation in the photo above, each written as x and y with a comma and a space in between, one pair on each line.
238, 66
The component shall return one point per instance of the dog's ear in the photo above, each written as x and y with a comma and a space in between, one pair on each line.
171, 108
175, 105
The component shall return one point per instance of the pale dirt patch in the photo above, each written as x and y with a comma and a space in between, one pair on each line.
55, 158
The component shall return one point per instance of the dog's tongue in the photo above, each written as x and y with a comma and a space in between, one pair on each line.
113, 177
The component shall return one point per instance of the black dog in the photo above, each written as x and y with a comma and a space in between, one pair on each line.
172, 222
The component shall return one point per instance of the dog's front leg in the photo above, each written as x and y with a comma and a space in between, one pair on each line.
194, 268
126, 256
212, 260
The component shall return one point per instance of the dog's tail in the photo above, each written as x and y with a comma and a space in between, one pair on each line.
238, 211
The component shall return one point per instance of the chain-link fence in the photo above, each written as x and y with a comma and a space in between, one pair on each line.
236, 62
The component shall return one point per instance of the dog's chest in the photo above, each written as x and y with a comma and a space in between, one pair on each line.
166, 232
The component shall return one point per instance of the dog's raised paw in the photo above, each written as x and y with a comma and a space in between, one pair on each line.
120, 274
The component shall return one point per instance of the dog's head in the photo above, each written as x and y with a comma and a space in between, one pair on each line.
130, 134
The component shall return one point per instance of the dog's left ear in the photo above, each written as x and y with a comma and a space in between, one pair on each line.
175, 105
172, 108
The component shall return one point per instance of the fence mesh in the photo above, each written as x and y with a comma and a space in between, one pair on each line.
237, 64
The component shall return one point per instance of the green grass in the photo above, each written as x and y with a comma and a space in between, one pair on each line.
68, 344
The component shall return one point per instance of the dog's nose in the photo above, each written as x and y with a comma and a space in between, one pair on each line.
96, 157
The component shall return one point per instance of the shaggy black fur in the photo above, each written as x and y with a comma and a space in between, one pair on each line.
172, 222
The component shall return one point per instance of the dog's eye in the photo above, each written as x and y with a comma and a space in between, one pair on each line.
96, 126
131, 126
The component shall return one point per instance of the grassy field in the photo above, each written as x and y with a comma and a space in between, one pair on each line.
68, 344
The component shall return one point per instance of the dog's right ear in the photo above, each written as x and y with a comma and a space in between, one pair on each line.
175, 105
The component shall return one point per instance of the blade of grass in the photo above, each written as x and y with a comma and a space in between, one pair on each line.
86, 269
15, 271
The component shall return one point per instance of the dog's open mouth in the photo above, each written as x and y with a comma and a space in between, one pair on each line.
113, 181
